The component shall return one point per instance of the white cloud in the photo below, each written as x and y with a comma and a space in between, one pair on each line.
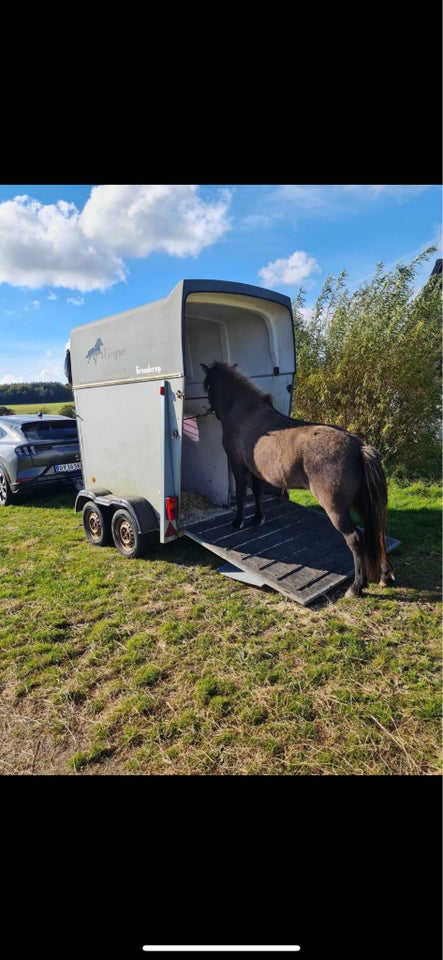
42, 245
330, 200
402, 191
52, 296
311, 196
255, 221
306, 313
50, 373
291, 271
76, 301
136, 219
57, 245
10, 378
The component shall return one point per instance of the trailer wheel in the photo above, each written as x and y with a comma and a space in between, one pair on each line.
125, 535
96, 524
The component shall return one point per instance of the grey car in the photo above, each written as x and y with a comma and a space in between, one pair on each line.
37, 451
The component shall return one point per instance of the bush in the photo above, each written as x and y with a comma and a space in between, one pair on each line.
5, 411
371, 362
67, 410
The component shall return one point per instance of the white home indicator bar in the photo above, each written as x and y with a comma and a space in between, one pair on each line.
220, 949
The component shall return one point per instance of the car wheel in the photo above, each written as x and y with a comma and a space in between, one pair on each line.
6, 496
96, 524
129, 542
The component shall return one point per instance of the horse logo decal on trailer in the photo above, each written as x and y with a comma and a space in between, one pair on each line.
95, 351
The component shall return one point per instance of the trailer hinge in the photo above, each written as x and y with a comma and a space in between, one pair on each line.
174, 434
179, 394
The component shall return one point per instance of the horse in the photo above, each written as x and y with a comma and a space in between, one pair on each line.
266, 447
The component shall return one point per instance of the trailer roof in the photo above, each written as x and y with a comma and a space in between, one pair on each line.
148, 341
231, 286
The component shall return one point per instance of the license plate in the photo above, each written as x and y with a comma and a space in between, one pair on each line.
67, 467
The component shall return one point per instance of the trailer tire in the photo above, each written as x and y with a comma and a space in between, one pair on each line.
129, 542
96, 524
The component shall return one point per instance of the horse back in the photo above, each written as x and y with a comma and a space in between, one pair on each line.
293, 453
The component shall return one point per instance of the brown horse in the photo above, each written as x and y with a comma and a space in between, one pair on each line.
340, 470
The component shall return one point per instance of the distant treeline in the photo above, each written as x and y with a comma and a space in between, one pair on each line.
47, 391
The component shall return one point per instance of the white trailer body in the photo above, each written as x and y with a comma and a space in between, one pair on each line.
138, 390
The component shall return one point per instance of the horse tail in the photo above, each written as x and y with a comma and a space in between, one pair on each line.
374, 503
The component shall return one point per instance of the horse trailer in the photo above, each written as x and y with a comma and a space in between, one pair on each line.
151, 449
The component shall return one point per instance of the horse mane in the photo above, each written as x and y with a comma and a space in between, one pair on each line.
228, 372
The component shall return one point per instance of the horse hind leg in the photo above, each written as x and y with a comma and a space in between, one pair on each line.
387, 574
257, 489
354, 539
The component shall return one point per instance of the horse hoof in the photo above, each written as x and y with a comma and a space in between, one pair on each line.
353, 592
386, 581
238, 525
258, 521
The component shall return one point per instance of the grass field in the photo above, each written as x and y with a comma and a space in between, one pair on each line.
36, 407
162, 666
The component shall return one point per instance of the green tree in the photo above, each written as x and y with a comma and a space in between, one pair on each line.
370, 361
50, 392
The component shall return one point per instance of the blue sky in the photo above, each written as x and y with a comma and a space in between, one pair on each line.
70, 254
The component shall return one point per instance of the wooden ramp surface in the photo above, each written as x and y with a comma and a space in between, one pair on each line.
297, 551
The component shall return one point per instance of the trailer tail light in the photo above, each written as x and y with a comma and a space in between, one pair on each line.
162, 391
171, 504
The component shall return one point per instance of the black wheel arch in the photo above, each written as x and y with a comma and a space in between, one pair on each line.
143, 514
8, 486
5, 472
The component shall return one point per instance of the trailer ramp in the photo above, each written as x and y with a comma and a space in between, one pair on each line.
297, 551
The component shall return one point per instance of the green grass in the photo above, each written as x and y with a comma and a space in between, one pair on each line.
162, 666
36, 407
